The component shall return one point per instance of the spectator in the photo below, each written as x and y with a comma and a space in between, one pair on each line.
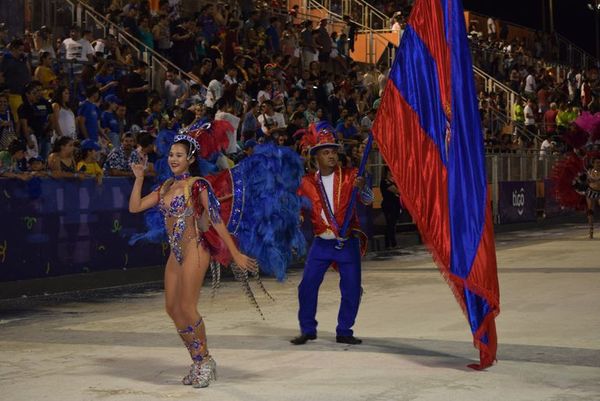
272, 32
309, 47
491, 28
86, 43
183, 44
250, 122
366, 124
265, 92
550, 120
35, 119
88, 115
16, 72
530, 118
135, 89
107, 48
397, 25
346, 130
146, 151
224, 113
530, 84
175, 90
231, 76
146, 34
45, 75
88, 165
546, 148
61, 161
281, 138
119, 160
74, 50
7, 123
351, 32
162, 35
106, 80
110, 122
63, 116
311, 112
270, 121
3, 36
129, 21
12, 161
586, 94
215, 88
37, 167
154, 120
297, 122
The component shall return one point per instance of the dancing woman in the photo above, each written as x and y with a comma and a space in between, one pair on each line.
592, 193
191, 213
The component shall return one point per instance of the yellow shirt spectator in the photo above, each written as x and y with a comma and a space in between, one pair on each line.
89, 168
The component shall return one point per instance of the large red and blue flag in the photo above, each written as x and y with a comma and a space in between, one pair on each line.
429, 132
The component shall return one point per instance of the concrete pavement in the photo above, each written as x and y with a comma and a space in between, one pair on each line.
416, 340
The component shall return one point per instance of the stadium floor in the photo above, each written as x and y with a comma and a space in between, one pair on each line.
122, 346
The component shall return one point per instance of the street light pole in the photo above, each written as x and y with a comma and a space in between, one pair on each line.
597, 23
551, 8
594, 6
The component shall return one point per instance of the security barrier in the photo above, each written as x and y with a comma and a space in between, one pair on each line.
56, 227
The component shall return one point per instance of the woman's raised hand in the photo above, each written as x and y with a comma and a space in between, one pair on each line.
138, 170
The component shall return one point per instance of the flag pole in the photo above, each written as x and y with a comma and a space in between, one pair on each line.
350, 209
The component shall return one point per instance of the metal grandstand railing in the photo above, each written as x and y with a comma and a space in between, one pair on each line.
85, 15
359, 10
567, 53
491, 84
373, 35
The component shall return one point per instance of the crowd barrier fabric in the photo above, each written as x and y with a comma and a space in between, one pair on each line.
55, 227
517, 201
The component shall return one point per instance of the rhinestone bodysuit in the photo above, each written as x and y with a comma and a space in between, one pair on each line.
179, 223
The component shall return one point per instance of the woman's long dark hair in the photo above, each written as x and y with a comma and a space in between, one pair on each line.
60, 142
58, 97
194, 169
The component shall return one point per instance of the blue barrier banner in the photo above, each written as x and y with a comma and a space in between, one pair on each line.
55, 227
517, 201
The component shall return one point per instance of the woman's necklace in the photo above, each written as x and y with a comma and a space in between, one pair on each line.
182, 176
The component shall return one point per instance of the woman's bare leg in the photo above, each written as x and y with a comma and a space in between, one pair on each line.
590, 215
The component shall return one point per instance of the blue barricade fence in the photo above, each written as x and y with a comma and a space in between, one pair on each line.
55, 227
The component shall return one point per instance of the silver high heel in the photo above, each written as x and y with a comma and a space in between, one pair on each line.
188, 379
207, 372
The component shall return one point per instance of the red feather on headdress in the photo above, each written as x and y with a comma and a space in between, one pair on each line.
212, 137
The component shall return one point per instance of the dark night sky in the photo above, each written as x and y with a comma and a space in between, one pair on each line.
572, 18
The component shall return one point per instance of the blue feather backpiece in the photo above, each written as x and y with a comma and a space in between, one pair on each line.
269, 228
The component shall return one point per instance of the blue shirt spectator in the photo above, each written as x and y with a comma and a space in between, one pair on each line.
88, 115
346, 130
273, 43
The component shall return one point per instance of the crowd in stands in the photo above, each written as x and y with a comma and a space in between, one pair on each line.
69, 101
551, 94
81, 106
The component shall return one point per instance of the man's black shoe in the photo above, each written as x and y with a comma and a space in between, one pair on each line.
303, 338
348, 340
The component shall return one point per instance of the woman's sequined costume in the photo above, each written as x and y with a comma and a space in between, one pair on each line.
257, 202
572, 178
185, 221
